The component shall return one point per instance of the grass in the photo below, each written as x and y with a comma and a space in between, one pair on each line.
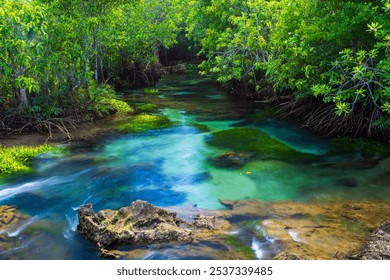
19, 158
254, 141
144, 122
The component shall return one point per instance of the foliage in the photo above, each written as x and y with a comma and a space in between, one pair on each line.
57, 56
144, 122
18, 159
337, 51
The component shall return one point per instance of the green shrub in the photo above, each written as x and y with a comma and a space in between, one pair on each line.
18, 159
144, 122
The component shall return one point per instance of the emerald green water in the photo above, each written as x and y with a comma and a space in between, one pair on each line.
174, 167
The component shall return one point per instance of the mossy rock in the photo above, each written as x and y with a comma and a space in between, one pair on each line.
200, 127
235, 244
147, 107
231, 160
353, 145
257, 142
145, 122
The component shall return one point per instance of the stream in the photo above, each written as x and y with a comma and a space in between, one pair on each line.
172, 167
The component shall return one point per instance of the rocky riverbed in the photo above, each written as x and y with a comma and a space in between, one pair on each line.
299, 230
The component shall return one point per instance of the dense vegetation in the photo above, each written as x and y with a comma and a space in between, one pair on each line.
330, 57
57, 57
326, 62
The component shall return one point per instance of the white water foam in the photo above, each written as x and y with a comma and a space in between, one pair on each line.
257, 248
71, 228
31, 186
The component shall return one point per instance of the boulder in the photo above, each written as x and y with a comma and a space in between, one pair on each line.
377, 246
139, 223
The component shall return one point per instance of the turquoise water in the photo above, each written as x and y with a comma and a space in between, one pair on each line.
172, 167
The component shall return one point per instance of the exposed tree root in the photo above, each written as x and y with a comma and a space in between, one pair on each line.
321, 117
18, 124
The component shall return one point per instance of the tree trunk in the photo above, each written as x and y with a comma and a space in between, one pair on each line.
23, 100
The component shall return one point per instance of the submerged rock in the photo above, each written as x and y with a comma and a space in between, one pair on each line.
10, 220
139, 223
256, 142
231, 160
377, 246
318, 230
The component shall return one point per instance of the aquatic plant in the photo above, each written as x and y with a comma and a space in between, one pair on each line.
255, 141
200, 127
261, 115
19, 158
147, 107
119, 106
234, 242
151, 91
366, 147
144, 122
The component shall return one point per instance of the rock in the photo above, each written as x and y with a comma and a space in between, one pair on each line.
232, 160
10, 220
314, 230
202, 221
288, 256
139, 223
377, 246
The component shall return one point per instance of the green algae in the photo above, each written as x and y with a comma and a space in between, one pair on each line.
244, 251
254, 141
151, 91
145, 122
147, 107
261, 115
200, 127
366, 147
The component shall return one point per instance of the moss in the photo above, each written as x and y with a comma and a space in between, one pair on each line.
261, 115
254, 141
234, 242
151, 91
200, 127
144, 122
18, 159
147, 107
351, 145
